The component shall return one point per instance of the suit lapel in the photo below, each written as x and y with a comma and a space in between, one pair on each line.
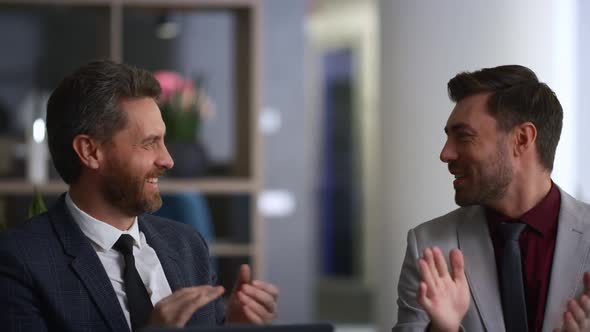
571, 252
158, 240
87, 266
480, 267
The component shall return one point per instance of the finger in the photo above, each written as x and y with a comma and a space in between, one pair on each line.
267, 287
425, 273
569, 323
576, 311
244, 276
421, 297
587, 283
440, 263
176, 309
186, 292
252, 316
257, 308
457, 265
260, 296
185, 312
429, 256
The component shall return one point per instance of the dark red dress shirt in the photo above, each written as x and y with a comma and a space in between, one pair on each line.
537, 244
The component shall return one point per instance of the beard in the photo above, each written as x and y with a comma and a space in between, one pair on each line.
494, 178
127, 192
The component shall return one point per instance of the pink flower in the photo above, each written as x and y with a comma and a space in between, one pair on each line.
172, 83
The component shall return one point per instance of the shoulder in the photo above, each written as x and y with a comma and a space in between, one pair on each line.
573, 206
166, 225
28, 234
27, 243
172, 231
444, 228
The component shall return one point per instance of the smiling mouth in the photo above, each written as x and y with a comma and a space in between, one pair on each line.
459, 179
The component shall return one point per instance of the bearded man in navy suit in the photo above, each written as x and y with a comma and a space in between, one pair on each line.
62, 271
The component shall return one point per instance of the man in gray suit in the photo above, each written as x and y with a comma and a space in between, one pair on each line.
97, 261
501, 140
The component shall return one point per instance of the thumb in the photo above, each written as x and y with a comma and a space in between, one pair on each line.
244, 276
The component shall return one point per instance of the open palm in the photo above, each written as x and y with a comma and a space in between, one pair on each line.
444, 295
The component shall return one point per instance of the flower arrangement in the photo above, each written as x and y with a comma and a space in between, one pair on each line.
183, 105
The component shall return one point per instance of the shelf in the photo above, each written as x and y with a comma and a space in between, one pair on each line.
230, 189
208, 186
226, 249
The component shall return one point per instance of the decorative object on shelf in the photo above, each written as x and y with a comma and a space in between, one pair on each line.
184, 106
37, 204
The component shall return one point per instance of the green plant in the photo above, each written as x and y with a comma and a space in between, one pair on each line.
181, 125
37, 204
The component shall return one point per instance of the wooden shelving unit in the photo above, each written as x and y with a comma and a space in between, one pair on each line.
206, 186
244, 176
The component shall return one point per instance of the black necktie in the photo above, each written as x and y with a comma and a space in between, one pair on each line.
138, 299
511, 283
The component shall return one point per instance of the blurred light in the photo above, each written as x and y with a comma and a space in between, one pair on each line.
270, 121
39, 130
276, 203
167, 28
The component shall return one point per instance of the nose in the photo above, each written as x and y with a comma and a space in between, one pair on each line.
165, 160
448, 152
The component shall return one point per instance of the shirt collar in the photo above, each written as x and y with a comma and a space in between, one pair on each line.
542, 217
99, 232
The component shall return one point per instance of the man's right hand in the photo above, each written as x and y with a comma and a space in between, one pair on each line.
444, 295
176, 309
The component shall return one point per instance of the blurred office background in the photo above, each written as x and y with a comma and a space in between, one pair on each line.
345, 103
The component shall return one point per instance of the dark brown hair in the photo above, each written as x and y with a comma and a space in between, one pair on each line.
516, 97
88, 102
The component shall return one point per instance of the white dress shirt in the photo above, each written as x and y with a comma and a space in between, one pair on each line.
103, 236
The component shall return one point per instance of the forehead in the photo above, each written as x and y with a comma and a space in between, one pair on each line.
143, 114
471, 112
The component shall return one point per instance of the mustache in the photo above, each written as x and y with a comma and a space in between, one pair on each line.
157, 173
454, 167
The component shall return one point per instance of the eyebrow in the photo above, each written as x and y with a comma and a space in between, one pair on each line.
458, 126
151, 138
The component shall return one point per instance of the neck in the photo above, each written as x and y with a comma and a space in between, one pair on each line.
523, 194
94, 204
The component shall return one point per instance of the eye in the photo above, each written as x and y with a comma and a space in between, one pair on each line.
151, 144
464, 137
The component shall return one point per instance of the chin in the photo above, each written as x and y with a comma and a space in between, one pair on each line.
463, 200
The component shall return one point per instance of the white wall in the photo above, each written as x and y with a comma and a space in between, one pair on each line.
423, 44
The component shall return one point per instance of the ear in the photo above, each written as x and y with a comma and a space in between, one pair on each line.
525, 137
87, 150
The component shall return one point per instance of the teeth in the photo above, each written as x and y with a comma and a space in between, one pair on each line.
152, 180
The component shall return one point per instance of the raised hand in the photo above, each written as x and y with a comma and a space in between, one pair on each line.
577, 316
252, 301
176, 309
444, 295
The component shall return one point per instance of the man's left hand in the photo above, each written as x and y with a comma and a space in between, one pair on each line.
577, 316
252, 301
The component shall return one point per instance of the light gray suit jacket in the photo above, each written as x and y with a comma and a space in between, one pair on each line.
466, 228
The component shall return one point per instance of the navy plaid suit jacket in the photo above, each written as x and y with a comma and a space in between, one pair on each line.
52, 280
